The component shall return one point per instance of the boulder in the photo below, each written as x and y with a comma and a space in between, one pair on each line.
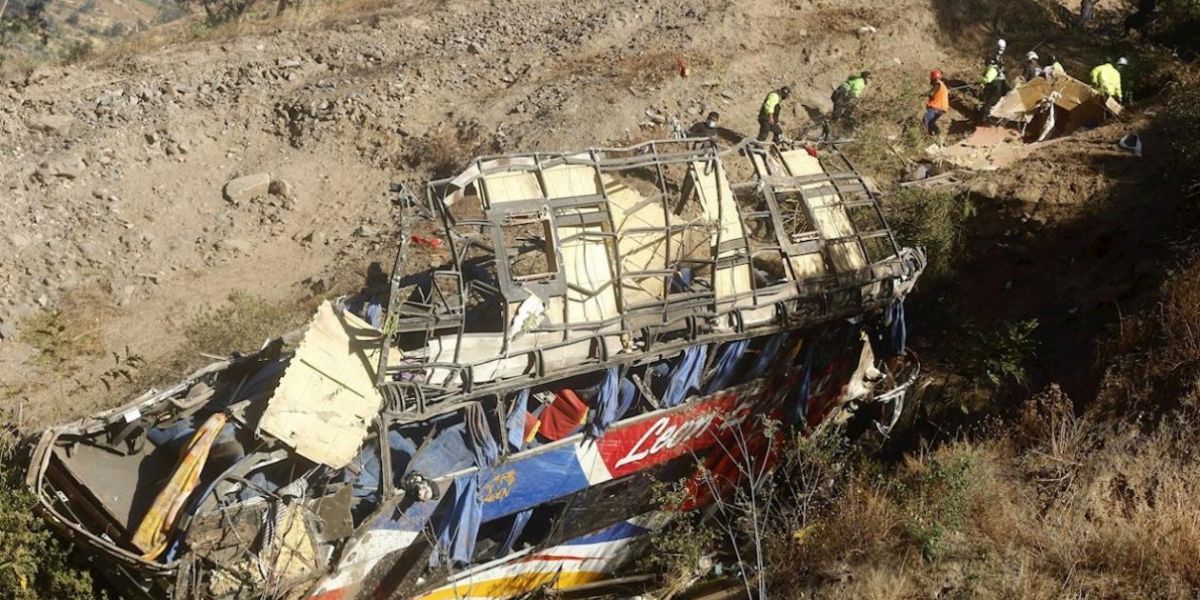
247, 187
51, 123
71, 167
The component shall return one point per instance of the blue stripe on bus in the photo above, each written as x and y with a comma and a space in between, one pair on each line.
512, 487
619, 531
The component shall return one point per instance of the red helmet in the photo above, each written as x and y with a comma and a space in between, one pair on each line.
935, 75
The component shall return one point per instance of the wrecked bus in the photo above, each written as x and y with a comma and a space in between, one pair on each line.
598, 324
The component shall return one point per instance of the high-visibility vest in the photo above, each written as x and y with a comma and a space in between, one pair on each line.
769, 104
990, 75
940, 99
855, 86
1107, 80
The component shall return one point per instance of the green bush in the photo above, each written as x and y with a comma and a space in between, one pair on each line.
1181, 121
34, 563
935, 496
933, 219
998, 356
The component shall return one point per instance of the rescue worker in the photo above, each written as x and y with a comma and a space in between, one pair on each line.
938, 103
846, 96
1107, 79
1032, 68
768, 115
706, 128
998, 57
1055, 69
994, 84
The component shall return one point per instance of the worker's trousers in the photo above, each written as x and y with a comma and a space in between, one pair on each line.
929, 123
767, 128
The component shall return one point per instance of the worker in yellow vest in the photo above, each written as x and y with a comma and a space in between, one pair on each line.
1107, 79
768, 115
994, 84
846, 96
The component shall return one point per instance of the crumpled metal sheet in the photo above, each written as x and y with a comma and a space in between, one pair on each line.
1068, 94
327, 397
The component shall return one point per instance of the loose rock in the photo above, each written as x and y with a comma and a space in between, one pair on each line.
51, 123
281, 188
247, 187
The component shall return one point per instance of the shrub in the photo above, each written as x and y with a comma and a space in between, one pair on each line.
935, 220
682, 546
243, 323
934, 491
998, 356
447, 150
220, 11
1181, 118
34, 564
65, 335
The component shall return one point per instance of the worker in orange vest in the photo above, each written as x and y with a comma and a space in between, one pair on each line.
938, 104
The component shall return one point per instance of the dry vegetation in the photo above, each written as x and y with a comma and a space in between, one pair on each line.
1049, 506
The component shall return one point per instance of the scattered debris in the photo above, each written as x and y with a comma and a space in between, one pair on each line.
1132, 142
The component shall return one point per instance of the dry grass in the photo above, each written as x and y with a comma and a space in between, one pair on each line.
445, 152
71, 333
1157, 351
1179, 320
972, 519
244, 322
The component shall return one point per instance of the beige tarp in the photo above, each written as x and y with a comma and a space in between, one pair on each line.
487, 349
640, 251
720, 208
565, 181
588, 268
327, 397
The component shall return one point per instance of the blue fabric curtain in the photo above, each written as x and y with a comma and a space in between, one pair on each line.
627, 394
460, 526
727, 361
520, 520
685, 377
898, 331
514, 425
798, 399
767, 356
516, 442
604, 409
446, 453
479, 436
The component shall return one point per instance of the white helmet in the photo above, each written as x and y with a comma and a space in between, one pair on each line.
1121, 62
1031, 55
1001, 44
